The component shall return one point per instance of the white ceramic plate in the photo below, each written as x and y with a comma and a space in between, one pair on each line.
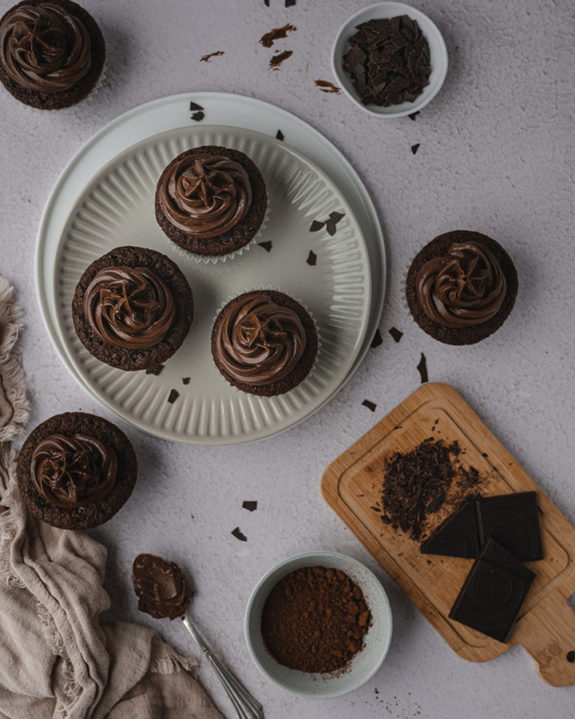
173, 112
117, 208
366, 662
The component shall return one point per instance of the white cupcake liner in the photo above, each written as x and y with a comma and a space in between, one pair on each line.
271, 288
214, 259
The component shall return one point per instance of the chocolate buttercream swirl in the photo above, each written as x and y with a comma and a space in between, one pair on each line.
129, 307
466, 287
259, 341
73, 471
162, 588
205, 195
44, 48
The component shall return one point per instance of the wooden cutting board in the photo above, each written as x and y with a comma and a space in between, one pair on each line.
351, 486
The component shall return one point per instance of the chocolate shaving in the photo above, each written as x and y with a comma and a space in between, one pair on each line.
326, 86
239, 535
251, 506
173, 396
316, 225
336, 216
267, 3
415, 148
422, 367
277, 33
194, 106
370, 405
330, 227
186, 380
388, 61
266, 245
279, 135
278, 58
290, 3
155, 370
311, 258
207, 58
396, 334
413, 115
198, 116
377, 340
329, 224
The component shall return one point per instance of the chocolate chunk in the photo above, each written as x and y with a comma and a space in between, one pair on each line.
311, 258
370, 405
173, 396
266, 245
570, 657
277, 59
267, 3
239, 535
186, 380
415, 148
513, 521
250, 506
377, 339
155, 370
316, 225
493, 593
457, 536
290, 3
396, 334
194, 106
198, 116
336, 216
207, 58
326, 86
422, 367
276, 33
330, 227
413, 115
279, 135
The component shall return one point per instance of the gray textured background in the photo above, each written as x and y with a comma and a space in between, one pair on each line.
496, 155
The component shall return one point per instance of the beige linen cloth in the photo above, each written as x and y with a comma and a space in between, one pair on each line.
57, 659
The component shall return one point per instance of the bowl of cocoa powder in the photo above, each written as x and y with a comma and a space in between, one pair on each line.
318, 624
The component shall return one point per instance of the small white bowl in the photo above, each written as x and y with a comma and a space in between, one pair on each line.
438, 56
365, 663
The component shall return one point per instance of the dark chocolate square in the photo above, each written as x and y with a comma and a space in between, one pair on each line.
457, 536
512, 520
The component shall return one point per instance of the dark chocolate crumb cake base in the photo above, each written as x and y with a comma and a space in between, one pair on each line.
79, 91
300, 371
474, 333
240, 235
136, 359
89, 515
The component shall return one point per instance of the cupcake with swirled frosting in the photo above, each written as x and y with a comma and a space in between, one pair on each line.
51, 53
264, 342
76, 470
461, 287
132, 308
211, 201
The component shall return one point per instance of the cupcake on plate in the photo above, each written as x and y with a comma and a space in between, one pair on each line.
211, 201
132, 308
51, 53
76, 470
264, 342
461, 287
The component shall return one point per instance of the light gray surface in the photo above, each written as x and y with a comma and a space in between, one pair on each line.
497, 155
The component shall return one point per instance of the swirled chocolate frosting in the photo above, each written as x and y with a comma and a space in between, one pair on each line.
205, 195
463, 288
129, 307
44, 48
259, 341
73, 471
161, 586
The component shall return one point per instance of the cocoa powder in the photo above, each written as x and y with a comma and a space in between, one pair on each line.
315, 619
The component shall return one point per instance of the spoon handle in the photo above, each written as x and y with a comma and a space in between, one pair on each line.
246, 706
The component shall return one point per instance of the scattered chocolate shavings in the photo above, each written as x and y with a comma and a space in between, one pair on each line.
173, 396
396, 334
207, 58
155, 370
239, 535
251, 506
377, 340
194, 106
266, 245
290, 3
278, 58
185, 380
415, 148
279, 135
413, 115
276, 33
422, 367
326, 86
311, 258
316, 225
198, 116
370, 405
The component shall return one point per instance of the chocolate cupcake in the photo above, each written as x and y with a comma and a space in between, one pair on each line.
211, 200
51, 53
132, 308
264, 342
76, 470
461, 287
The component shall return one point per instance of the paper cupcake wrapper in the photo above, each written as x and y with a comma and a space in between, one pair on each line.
271, 288
214, 259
